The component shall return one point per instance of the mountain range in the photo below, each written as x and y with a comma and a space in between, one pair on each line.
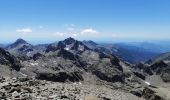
87, 62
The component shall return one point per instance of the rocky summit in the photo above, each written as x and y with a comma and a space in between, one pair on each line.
78, 70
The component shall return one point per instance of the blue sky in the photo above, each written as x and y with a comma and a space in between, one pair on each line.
99, 20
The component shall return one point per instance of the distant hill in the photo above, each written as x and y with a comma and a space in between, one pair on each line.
158, 47
161, 57
128, 52
134, 54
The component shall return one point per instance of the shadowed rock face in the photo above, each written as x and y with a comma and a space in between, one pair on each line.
141, 70
163, 69
67, 55
158, 67
37, 56
140, 75
7, 59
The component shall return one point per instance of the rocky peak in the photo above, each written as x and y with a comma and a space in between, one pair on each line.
20, 41
69, 40
17, 43
21, 48
68, 44
72, 44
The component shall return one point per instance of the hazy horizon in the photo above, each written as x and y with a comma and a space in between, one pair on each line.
37, 41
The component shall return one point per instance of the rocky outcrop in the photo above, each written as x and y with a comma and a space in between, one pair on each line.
60, 76
150, 94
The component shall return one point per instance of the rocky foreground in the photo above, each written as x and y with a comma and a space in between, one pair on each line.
32, 89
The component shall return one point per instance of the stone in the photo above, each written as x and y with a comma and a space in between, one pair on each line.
15, 94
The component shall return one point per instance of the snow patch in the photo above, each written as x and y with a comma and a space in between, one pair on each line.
81, 48
23, 74
74, 83
148, 83
67, 47
33, 64
28, 53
